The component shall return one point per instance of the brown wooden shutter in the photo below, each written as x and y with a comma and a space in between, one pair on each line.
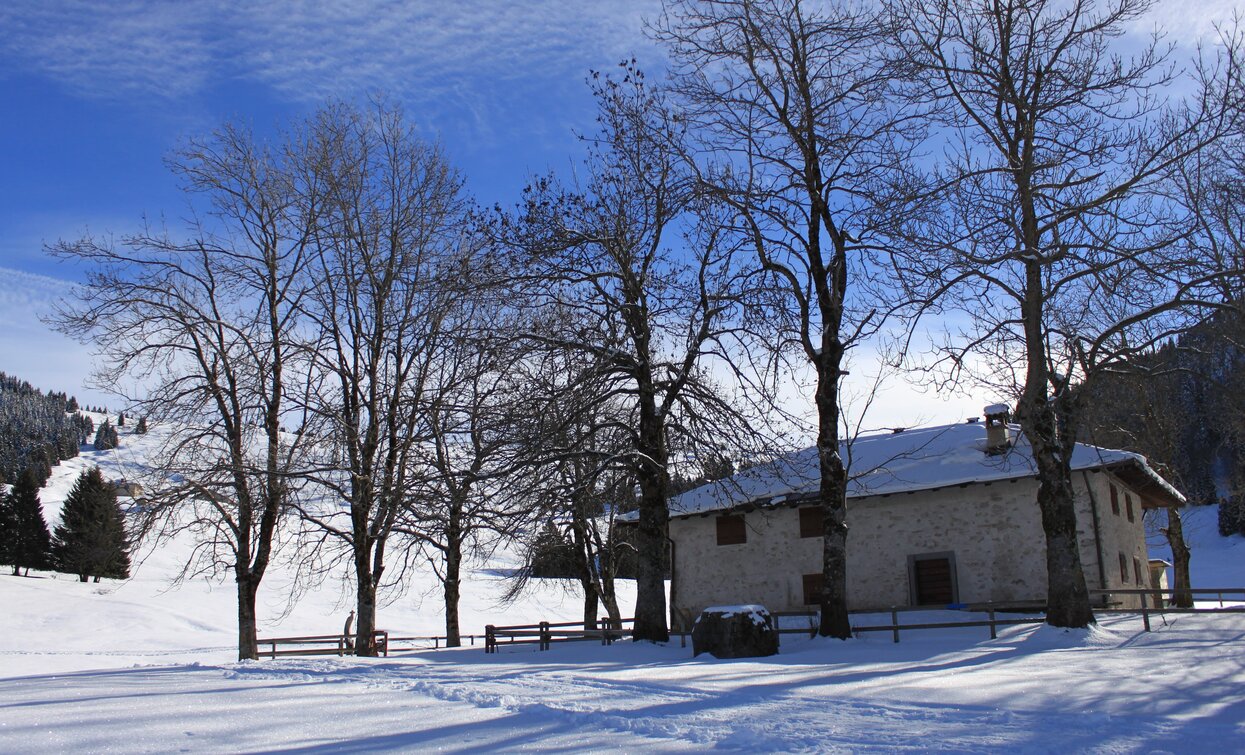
810, 522
1123, 568
731, 530
1115, 500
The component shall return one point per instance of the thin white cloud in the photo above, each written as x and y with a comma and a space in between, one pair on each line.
308, 51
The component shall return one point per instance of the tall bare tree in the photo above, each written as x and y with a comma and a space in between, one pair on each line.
386, 271
623, 267
797, 100
205, 323
1061, 211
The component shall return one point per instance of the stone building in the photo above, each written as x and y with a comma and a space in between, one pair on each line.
936, 516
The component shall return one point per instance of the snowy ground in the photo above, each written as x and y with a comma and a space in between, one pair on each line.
139, 666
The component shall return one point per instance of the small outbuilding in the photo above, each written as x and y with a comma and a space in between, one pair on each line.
936, 516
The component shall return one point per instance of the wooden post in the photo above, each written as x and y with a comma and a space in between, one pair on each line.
994, 635
544, 635
490, 639
895, 623
1145, 613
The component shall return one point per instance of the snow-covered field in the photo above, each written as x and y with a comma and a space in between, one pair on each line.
142, 666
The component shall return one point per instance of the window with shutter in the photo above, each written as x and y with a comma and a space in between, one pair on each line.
731, 530
810, 522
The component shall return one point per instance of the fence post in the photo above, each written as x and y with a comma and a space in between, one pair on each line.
895, 623
544, 635
490, 639
341, 645
994, 635
1145, 614
274, 649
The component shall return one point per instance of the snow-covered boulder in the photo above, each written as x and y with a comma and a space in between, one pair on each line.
735, 632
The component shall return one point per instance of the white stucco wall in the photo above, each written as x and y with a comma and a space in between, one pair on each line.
994, 531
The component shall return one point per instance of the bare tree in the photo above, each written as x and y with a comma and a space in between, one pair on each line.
207, 326
386, 272
798, 101
1060, 212
582, 451
468, 490
627, 267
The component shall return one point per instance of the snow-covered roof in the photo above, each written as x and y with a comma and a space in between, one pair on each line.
904, 462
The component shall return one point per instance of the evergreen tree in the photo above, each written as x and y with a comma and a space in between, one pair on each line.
8, 531
106, 437
90, 540
121, 419
71, 406
1231, 516
141, 429
27, 543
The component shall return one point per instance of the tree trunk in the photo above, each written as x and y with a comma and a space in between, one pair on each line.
1067, 596
81, 577
591, 605
587, 567
835, 621
650, 604
248, 646
1182, 595
610, 599
453, 565
365, 605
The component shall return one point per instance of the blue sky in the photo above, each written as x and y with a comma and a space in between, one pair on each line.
94, 94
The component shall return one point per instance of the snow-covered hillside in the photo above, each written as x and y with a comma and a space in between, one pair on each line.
61, 623
146, 666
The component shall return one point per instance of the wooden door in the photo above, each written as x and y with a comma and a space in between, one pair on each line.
934, 582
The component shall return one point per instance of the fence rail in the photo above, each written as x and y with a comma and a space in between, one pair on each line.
321, 644
545, 633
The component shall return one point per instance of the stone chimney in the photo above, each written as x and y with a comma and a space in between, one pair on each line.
998, 435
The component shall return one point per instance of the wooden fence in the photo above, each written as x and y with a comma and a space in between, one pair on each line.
544, 633
340, 644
